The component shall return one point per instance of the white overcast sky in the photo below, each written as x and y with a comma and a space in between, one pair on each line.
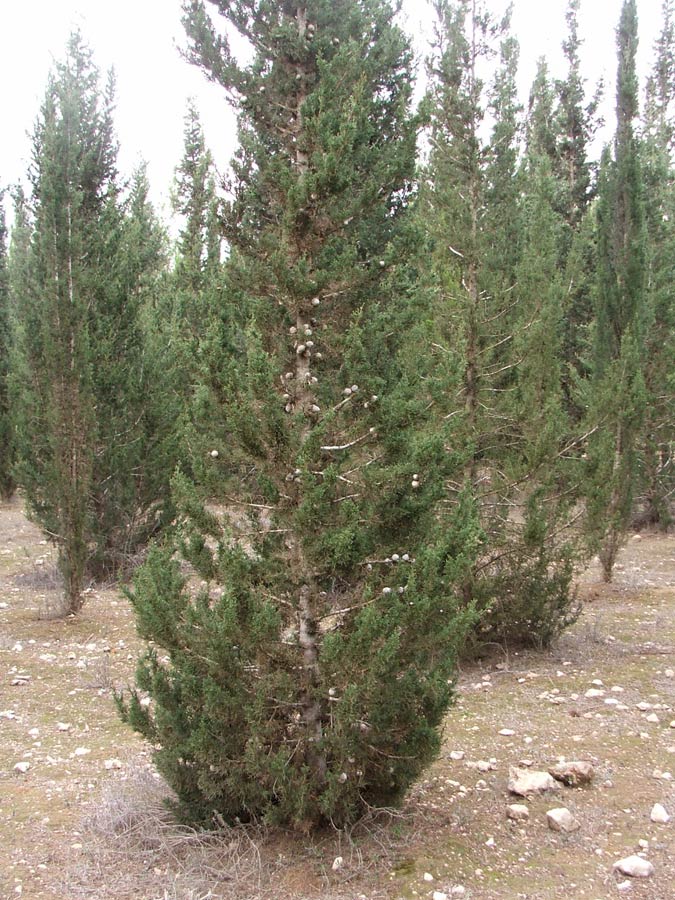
139, 38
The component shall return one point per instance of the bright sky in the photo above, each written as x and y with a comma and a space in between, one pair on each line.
140, 38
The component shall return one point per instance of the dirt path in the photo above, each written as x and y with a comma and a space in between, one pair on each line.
85, 818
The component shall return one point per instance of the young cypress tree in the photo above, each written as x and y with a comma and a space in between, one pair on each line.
618, 395
6, 439
308, 674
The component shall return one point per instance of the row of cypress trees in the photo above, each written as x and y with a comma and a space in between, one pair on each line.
378, 407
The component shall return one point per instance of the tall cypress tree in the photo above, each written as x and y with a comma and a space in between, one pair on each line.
6, 439
308, 675
621, 314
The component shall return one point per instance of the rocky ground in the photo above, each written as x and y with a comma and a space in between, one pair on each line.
81, 812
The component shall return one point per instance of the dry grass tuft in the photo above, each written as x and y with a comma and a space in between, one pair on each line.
134, 831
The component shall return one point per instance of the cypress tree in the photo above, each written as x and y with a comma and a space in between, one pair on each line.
82, 379
72, 183
309, 633
618, 383
6, 438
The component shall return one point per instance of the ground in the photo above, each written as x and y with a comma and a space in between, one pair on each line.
86, 817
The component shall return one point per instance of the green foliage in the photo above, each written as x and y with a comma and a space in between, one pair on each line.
227, 703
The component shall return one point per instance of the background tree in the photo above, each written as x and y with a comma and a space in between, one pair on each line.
6, 438
307, 677
576, 122
658, 469
201, 308
136, 437
72, 183
498, 296
618, 396
83, 377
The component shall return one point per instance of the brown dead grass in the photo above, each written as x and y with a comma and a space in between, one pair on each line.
77, 825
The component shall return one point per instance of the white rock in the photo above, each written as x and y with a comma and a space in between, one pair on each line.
634, 867
624, 886
63, 726
439, 895
458, 890
82, 751
643, 706
524, 782
659, 814
34, 732
573, 773
112, 764
517, 812
338, 862
652, 717
669, 673
22, 767
457, 755
428, 876
507, 732
592, 693
561, 819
